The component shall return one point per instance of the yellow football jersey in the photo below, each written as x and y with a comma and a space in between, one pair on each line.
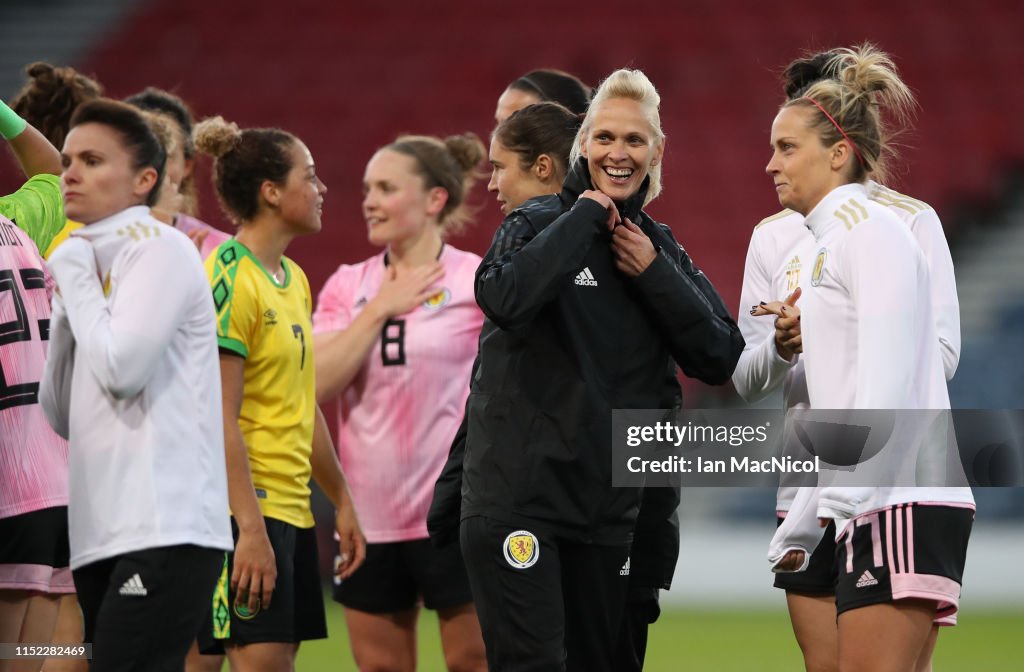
62, 235
269, 324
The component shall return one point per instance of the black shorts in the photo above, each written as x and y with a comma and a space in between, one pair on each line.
142, 609
34, 551
820, 576
545, 602
396, 576
296, 610
904, 551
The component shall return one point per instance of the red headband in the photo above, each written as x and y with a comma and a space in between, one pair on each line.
840, 129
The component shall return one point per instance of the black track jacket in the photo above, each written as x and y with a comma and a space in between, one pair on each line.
567, 339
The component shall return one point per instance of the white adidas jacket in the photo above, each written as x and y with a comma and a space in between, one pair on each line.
870, 342
774, 268
133, 381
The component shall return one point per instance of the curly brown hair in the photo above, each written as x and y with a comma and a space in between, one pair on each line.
243, 160
51, 96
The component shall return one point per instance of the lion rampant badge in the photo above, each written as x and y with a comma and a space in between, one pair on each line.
521, 549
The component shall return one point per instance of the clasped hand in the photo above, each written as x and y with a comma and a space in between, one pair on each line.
633, 250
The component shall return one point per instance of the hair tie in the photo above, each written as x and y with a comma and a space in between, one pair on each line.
839, 128
533, 85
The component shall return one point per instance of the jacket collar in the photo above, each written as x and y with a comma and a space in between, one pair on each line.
825, 216
578, 181
110, 225
109, 235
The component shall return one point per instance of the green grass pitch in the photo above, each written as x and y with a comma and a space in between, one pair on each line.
721, 641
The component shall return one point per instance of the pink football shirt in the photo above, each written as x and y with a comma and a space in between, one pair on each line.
187, 225
33, 459
397, 418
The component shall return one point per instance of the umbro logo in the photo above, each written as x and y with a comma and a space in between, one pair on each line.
585, 278
270, 317
866, 580
133, 587
625, 569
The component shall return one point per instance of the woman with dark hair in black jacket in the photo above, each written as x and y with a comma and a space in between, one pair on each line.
590, 306
544, 86
530, 158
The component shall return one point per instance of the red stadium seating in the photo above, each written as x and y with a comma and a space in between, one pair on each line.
347, 77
